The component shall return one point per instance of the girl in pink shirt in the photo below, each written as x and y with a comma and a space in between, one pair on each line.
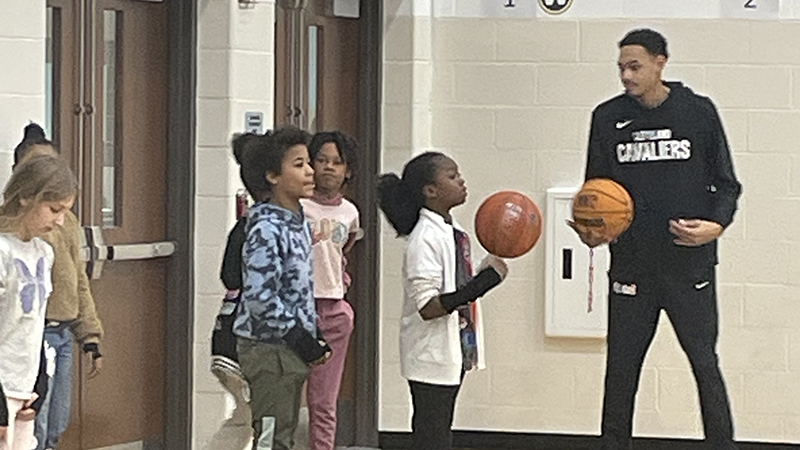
335, 222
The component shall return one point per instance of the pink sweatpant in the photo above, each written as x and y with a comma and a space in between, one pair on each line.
324, 381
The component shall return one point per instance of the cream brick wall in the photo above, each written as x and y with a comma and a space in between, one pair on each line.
235, 75
22, 73
511, 99
407, 130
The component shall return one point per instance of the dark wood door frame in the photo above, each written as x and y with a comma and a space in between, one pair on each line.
368, 291
180, 223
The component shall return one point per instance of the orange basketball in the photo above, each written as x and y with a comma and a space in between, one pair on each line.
508, 224
603, 205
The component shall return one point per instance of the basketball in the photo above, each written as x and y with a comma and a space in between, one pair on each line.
603, 206
508, 224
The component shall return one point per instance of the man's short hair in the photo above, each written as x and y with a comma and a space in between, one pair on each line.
651, 40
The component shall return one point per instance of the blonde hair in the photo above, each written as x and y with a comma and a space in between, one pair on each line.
44, 178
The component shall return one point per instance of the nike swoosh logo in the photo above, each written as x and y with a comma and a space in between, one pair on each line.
699, 286
621, 125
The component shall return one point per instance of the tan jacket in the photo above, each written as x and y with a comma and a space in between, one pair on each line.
71, 300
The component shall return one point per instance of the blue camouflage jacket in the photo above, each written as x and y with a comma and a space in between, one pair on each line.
277, 284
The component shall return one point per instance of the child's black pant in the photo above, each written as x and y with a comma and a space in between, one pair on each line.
633, 310
431, 424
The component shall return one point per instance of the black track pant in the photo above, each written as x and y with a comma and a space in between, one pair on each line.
633, 311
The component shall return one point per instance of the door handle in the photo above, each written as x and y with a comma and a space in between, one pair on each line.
130, 252
95, 252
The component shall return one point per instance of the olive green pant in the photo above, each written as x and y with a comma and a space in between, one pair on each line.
276, 376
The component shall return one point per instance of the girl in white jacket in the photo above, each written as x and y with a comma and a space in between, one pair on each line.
438, 286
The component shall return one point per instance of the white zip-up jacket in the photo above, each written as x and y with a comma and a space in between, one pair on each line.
430, 350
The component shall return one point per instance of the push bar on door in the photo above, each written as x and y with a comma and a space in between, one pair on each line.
95, 252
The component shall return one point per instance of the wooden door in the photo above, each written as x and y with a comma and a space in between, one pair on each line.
108, 65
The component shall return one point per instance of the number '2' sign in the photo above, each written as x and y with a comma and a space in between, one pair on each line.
750, 9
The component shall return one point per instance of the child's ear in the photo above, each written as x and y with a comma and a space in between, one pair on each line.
272, 178
429, 191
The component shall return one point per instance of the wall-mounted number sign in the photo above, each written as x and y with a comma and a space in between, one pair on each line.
750, 9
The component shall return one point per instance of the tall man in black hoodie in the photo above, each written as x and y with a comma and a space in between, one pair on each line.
666, 146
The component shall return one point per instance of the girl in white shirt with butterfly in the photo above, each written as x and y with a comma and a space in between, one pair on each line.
35, 199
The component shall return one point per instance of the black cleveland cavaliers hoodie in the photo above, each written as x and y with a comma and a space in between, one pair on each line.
675, 162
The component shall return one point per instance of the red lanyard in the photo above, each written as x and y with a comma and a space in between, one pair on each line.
591, 277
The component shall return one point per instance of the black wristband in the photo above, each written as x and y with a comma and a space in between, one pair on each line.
93, 348
37, 405
3, 409
307, 347
473, 290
